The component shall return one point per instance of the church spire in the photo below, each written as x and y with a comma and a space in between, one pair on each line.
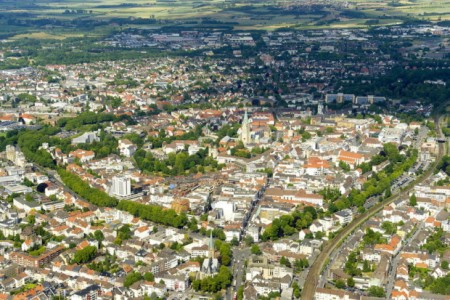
245, 130
211, 245
245, 121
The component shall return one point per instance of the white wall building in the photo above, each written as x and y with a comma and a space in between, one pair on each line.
227, 208
121, 186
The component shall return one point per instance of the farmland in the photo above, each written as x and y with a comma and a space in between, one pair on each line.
44, 19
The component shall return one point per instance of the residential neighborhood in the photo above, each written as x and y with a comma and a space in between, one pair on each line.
274, 175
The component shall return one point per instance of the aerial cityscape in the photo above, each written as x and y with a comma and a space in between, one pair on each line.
225, 149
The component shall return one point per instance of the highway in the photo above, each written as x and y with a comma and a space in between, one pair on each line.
312, 280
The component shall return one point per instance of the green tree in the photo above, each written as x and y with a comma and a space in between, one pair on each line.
131, 278
193, 225
413, 200
388, 193
214, 284
434, 242
27, 182
83, 189
248, 240
389, 227
330, 194
392, 152
296, 289
85, 255
376, 291
350, 282
289, 224
124, 232
319, 235
340, 284
344, 166
306, 136
285, 262
444, 265
149, 276
226, 252
256, 250
240, 293
300, 264
441, 285
371, 237
99, 237
31, 219
366, 266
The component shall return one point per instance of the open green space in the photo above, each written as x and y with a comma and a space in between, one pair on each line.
61, 19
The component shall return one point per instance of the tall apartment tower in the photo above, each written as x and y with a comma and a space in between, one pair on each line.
121, 186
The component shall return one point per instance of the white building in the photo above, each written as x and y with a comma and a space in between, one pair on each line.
344, 216
446, 225
127, 148
86, 138
225, 208
254, 231
17, 189
391, 135
121, 186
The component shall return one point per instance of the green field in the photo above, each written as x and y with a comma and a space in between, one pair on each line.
60, 19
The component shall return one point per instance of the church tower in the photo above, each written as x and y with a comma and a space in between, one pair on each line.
211, 246
210, 265
245, 130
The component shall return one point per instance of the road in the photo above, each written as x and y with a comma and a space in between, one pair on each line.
395, 261
315, 270
54, 178
335, 254
241, 253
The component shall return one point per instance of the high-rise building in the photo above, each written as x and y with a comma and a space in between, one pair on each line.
121, 186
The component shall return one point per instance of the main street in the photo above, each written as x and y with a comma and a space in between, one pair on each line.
242, 252
315, 270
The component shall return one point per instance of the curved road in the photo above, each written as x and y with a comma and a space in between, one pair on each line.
313, 276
